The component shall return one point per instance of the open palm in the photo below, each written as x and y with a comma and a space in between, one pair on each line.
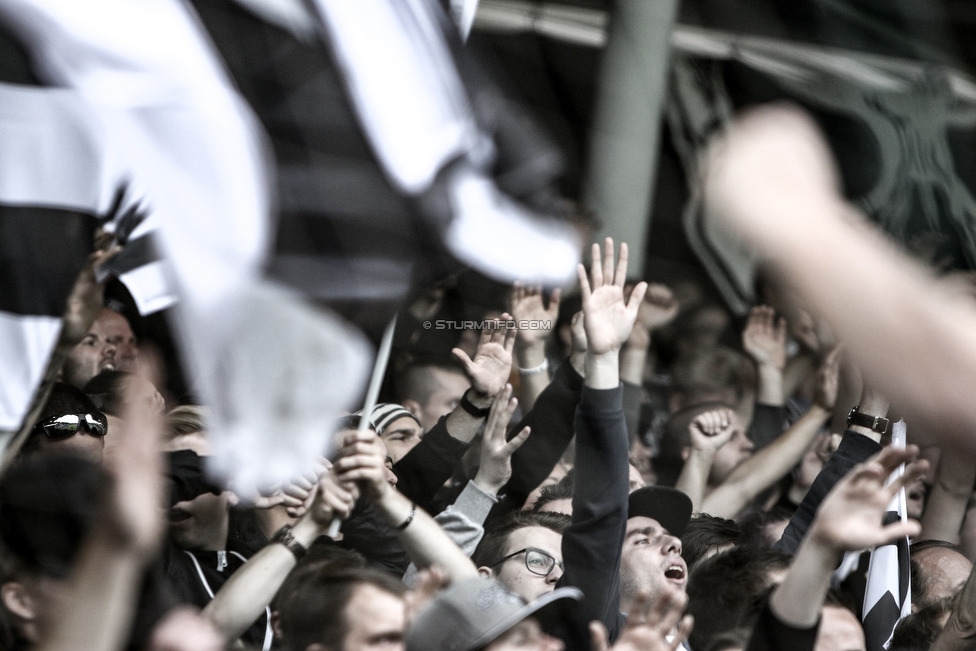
851, 515
607, 318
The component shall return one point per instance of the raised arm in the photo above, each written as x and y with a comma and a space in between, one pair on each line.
764, 339
528, 304
707, 432
771, 177
249, 590
593, 541
423, 470
768, 465
362, 460
464, 520
658, 309
945, 508
850, 518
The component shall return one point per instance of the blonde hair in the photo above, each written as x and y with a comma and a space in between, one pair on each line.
185, 419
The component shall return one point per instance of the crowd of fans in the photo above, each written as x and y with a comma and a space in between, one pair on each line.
619, 476
630, 470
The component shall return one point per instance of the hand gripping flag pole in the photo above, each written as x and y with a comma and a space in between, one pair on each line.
372, 394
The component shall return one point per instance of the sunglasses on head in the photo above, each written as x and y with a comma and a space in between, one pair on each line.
58, 428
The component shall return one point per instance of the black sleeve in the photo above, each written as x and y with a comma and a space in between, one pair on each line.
633, 398
768, 422
771, 634
423, 470
592, 544
366, 532
853, 449
551, 420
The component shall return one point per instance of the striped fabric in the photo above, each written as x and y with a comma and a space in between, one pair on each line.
888, 594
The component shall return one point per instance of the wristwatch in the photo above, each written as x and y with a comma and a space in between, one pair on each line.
285, 537
877, 424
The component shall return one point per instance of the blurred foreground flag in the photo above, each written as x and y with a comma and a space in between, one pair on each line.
221, 109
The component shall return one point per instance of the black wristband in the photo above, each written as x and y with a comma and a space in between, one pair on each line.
467, 406
287, 538
877, 424
406, 523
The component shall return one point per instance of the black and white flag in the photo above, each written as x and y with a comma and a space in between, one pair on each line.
55, 181
887, 595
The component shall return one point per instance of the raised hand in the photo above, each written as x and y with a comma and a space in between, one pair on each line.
658, 309
828, 380
648, 629
332, 499
712, 429
363, 460
608, 319
850, 517
527, 304
132, 512
764, 337
496, 452
492, 363
87, 294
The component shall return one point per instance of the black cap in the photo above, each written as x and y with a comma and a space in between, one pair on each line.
669, 506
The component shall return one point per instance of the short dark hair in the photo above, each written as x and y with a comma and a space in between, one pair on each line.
63, 399
715, 368
492, 546
920, 629
728, 590
755, 525
313, 611
416, 382
920, 582
704, 532
561, 490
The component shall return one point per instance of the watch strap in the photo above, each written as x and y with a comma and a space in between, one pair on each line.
877, 424
285, 537
469, 407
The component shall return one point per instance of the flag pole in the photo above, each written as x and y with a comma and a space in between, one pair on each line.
372, 394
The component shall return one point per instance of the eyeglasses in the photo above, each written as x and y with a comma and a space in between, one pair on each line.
536, 561
58, 428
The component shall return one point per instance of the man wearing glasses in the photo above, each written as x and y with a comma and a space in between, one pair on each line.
532, 558
69, 422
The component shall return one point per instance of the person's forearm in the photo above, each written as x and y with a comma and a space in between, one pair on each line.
945, 508
632, 363
854, 449
602, 371
249, 590
766, 467
885, 307
531, 385
694, 476
769, 390
103, 592
463, 426
423, 539
798, 599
